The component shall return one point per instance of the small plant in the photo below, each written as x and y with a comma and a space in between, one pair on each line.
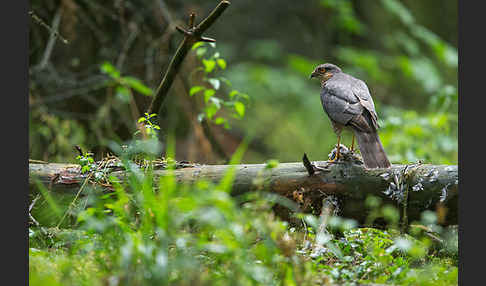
86, 161
236, 100
149, 129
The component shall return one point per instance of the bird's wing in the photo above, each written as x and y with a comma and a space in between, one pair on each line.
361, 91
339, 102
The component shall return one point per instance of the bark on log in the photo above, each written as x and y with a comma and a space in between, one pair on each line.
429, 186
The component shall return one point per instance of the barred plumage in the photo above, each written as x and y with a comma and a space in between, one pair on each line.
348, 103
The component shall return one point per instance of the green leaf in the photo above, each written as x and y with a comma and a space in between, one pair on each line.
137, 85
244, 96
219, 120
216, 55
197, 45
233, 93
211, 110
195, 89
240, 108
85, 169
208, 93
221, 63
272, 163
209, 65
110, 69
141, 119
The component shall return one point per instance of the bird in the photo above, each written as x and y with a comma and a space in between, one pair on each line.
347, 102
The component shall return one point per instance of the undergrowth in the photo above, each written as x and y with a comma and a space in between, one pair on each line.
148, 231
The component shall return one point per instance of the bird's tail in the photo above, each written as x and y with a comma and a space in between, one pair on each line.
372, 151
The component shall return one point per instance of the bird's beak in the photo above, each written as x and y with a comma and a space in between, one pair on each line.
313, 75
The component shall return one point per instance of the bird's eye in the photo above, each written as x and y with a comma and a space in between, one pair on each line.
321, 69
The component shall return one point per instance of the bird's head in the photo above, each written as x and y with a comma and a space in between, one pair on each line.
325, 71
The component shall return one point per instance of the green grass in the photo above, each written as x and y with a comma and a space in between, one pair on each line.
143, 233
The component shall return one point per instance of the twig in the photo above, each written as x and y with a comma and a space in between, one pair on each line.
74, 200
78, 148
128, 43
165, 12
322, 236
311, 168
51, 30
327, 211
308, 165
30, 209
52, 39
191, 36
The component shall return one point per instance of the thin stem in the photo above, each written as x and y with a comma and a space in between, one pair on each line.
191, 36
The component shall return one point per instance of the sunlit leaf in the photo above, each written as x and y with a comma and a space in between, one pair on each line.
195, 89
221, 63
197, 45
219, 120
110, 69
233, 93
208, 93
272, 163
210, 110
137, 85
209, 65
240, 108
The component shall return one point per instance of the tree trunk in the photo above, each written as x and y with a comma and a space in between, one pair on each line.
421, 186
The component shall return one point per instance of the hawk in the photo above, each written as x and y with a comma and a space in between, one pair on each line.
348, 103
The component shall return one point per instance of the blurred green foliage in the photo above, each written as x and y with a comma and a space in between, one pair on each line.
410, 70
234, 101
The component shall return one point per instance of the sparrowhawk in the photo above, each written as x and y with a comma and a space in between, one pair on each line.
348, 103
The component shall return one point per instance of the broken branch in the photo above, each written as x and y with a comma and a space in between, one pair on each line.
191, 36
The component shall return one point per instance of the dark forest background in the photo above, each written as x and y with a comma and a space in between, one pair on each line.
406, 51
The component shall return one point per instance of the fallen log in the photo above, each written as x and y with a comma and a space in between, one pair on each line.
421, 186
